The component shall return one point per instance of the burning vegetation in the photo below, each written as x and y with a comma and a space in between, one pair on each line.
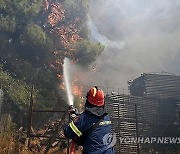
35, 37
69, 34
56, 15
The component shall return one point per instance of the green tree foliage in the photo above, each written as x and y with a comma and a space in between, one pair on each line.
8, 24
15, 90
25, 9
84, 32
3, 43
77, 10
34, 35
87, 52
15, 19
37, 44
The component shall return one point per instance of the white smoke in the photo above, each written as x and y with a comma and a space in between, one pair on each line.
150, 30
102, 39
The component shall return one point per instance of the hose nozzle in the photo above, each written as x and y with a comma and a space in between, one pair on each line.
73, 112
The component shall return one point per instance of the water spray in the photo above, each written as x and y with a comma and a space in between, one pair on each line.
67, 81
73, 111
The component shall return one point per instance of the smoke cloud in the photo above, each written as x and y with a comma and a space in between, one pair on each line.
139, 35
103, 39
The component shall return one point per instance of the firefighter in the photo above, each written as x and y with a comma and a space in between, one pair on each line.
89, 128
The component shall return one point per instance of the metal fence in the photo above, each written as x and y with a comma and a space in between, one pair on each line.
151, 110
52, 131
142, 117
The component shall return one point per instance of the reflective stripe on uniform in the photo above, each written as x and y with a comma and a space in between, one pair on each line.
75, 129
105, 123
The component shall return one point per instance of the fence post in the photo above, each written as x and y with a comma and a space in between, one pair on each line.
1, 98
137, 130
30, 116
119, 128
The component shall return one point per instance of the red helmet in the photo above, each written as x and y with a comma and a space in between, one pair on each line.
95, 96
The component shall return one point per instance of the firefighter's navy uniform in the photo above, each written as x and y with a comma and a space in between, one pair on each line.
93, 143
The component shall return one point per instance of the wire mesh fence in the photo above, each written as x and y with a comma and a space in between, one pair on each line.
136, 117
150, 111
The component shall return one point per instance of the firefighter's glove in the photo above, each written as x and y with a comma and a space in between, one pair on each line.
73, 112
